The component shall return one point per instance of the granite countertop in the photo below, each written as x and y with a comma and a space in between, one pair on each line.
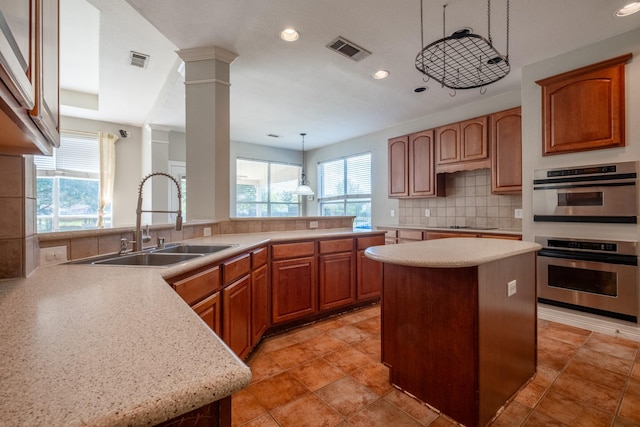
450, 253
115, 346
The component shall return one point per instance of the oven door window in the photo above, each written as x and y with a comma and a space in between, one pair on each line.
585, 280
592, 198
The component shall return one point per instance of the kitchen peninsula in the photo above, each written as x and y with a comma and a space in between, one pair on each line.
107, 345
459, 322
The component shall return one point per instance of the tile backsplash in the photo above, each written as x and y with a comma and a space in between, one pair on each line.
469, 202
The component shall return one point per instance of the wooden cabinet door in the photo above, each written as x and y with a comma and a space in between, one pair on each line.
236, 325
369, 278
259, 303
398, 161
294, 292
473, 139
448, 144
46, 111
422, 174
17, 50
337, 280
506, 145
584, 109
209, 311
369, 272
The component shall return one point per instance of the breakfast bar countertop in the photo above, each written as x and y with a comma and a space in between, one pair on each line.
116, 346
450, 253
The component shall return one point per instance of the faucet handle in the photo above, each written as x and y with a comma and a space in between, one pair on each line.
146, 237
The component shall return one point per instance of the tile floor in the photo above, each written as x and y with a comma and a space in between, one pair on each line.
329, 374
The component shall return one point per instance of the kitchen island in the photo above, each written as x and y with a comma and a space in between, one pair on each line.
459, 322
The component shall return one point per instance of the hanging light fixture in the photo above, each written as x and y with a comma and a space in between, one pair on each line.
303, 188
463, 60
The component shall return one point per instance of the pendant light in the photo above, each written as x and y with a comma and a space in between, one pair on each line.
303, 188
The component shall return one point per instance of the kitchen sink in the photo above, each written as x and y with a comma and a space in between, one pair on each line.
192, 249
152, 259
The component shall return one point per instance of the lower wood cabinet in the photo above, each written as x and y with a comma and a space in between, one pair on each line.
236, 300
294, 289
259, 303
369, 272
209, 311
337, 279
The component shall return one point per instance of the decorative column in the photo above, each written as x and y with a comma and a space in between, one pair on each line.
207, 131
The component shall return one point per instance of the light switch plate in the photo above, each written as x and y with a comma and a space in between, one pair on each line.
511, 288
517, 213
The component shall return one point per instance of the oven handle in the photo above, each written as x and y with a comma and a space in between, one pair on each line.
628, 176
589, 185
586, 256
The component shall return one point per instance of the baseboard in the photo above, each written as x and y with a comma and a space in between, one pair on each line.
591, 322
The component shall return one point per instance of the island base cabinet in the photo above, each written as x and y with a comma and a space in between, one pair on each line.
337, 280
453, 337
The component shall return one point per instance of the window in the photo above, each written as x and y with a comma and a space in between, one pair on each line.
265, 189
345, 188
67, 185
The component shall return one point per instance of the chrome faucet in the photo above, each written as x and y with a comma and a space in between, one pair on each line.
137, 244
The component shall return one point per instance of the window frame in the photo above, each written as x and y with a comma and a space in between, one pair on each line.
268, 202
344, 198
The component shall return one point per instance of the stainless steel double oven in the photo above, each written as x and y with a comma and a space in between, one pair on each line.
593, 275
597, 276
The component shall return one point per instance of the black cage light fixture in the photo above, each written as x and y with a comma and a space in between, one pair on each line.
463, 60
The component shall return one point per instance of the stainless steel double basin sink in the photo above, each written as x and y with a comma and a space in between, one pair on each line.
160, 257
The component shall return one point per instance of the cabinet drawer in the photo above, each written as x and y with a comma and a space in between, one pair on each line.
236, 268
339, 245
291, 250
365, 242
198, 286
258, 258
410, 234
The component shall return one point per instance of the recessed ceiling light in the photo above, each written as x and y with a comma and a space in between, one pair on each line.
380, 74
289, 35
629, 9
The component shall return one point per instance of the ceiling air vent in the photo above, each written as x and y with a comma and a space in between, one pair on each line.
139, 59
348, 49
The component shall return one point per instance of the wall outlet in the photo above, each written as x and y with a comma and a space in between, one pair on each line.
207, 231
52, 256
427, 212
393, 213
511, 288
517, 213
313, 224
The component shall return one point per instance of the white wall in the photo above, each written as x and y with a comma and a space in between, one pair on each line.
128, 161
532, 158
376, 143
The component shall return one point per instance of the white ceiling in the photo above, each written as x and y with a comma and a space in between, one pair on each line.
287, 88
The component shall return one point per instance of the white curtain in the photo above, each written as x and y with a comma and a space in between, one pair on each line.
107, 143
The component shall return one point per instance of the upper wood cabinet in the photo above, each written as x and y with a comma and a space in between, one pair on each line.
412, 168
506, 146
29, 97
462, 146
584, 109
398, 166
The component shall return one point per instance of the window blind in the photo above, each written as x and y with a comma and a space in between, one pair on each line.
77, 153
